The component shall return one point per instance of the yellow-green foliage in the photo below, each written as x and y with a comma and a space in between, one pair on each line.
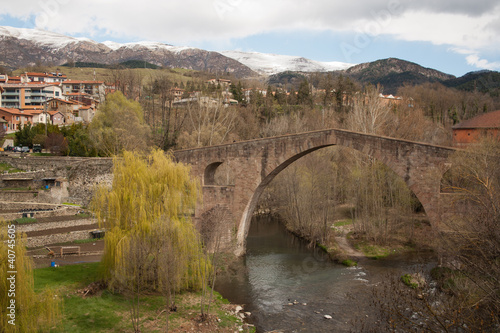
150, 240
119, 125
33, 312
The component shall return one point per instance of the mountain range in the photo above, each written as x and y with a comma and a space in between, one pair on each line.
26, 47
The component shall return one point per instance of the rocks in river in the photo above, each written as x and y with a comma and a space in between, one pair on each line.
238, 311
295, 302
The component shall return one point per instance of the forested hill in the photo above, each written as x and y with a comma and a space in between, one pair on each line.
393, 73
482, 81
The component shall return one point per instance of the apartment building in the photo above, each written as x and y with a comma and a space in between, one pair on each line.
21, 95
96, 89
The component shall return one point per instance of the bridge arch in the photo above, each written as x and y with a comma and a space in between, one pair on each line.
255, 163
246, 218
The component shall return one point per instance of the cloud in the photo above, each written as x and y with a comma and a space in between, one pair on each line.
458, 23
476, 61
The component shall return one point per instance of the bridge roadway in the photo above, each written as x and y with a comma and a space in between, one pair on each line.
255, 163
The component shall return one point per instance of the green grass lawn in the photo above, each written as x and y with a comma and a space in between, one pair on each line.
74, 276
5, 167
110, 312
342, 223
25, 220
373, 251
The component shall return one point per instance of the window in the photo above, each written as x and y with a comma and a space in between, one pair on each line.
17, 118
57, 93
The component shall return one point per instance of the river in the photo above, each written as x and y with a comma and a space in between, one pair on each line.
289, 287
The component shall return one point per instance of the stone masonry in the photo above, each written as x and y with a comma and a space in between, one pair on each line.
255, 163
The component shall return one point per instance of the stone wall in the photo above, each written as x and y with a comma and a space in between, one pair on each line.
57, 238
19, 196
82, 175
48, 210
53, 225
37, 163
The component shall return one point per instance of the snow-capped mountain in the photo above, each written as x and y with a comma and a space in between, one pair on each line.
24, 47
41, 37
268, 64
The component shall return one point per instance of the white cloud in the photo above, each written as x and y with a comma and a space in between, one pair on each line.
189, 20
475, 60
463, 24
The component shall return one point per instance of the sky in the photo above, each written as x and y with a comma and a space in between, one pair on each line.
453, 36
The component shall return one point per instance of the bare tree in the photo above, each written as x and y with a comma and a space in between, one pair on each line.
209, 123
215, 224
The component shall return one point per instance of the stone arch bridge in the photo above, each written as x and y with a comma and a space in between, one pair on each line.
255, 163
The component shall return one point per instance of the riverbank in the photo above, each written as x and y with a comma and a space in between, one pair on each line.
289, 284
89, 307
346, 246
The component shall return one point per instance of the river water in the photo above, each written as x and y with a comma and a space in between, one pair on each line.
289, 287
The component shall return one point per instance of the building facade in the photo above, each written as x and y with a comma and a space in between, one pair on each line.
96, 89
470, 131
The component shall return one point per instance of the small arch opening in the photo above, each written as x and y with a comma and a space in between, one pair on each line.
219, 174
209, 176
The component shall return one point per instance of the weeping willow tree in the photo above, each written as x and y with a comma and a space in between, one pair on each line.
33, 312
150, 241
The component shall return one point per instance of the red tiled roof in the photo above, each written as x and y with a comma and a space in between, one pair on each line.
36, 74
33, 112
485, 120
25, 85
42, 84
76, 94
63, 100
54, 112
82, 82
14, 111
45, 74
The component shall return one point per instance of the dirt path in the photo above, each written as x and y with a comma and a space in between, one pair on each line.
347, 249
344, 244
61, 230
90, 252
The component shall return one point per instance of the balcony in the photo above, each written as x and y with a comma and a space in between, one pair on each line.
5, 99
